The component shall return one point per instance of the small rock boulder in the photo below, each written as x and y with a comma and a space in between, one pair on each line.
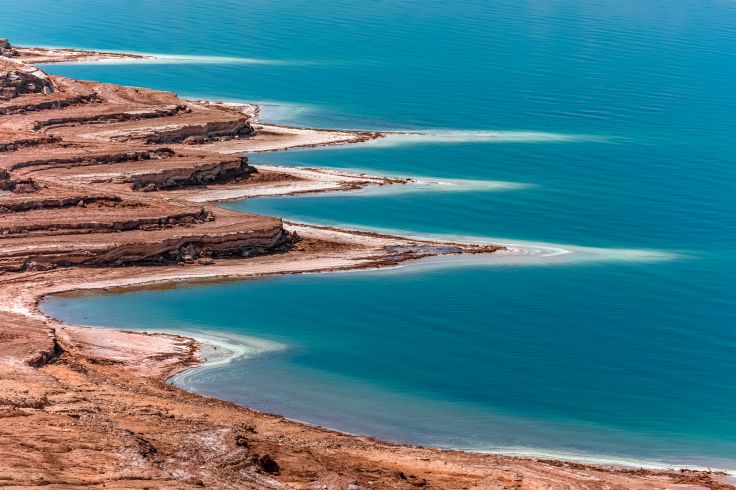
266, 463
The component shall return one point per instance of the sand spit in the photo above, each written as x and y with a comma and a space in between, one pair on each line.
104, 186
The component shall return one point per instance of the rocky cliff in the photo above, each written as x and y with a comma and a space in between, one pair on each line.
74, 156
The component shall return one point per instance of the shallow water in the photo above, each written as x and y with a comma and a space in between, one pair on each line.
617, 118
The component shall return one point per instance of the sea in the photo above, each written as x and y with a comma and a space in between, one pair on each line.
602, 132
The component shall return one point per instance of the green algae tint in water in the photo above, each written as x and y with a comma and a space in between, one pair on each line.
617, 118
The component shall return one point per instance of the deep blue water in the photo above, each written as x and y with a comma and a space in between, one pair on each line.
630, 111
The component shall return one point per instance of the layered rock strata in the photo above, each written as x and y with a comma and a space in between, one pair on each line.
74, 156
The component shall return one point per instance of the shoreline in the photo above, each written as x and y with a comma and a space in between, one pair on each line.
243, 347
152, 358
205, 340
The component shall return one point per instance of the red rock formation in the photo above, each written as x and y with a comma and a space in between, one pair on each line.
58, 134
18, 79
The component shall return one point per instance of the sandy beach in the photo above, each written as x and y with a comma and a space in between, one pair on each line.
106, 187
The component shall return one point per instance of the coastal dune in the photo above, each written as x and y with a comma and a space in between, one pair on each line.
108, 187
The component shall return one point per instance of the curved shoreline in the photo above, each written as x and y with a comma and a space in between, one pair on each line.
151, 358
204, 341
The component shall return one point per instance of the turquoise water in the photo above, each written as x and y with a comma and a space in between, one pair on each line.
617, 119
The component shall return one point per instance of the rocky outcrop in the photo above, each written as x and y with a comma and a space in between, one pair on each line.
5, 182
16, 185
86, 221
15, 205
17, 79
86, 159
145, 170
6, 49
47, 103
21, 141
191, 133
19, 186
155, 248
106, 117
223, 170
